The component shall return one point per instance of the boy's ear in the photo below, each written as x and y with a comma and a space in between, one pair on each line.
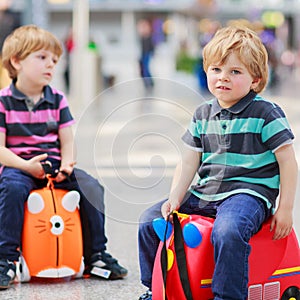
255, 83
15, 62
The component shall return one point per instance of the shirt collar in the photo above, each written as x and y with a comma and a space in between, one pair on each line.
235, 109
47, 93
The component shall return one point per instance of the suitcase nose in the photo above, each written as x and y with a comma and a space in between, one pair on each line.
57, 225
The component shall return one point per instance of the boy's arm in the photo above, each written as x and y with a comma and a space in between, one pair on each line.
9, 159
282, 220
183, 177
67, 152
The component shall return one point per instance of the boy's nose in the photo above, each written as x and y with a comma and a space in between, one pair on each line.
50, 63
223, 77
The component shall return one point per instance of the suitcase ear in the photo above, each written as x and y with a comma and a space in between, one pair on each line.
192, 235
35, 203
160, 226
70, 201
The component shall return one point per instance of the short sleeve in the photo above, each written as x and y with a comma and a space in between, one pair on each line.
192, 137
276, 130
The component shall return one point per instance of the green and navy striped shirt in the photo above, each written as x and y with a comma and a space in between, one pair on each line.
238, 145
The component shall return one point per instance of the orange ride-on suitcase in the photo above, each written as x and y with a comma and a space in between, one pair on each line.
52, 245
185, 272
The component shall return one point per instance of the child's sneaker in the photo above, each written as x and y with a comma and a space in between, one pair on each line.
104, 265
7, 273
146, 296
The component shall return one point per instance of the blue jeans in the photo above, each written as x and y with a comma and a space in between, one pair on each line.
237, 219
15, 187
145, 69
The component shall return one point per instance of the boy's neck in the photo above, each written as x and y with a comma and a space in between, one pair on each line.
35, 99
35, 94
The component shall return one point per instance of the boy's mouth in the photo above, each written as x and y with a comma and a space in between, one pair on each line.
222, 88
48, 75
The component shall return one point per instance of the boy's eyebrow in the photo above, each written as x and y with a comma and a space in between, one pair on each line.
236, 67
46, 51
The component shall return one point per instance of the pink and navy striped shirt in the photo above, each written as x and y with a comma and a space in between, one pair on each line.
32, 129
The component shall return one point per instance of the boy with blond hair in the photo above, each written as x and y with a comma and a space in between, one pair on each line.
241, 146
35, 126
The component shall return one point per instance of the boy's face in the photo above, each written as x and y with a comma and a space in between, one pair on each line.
37, 68
230, 81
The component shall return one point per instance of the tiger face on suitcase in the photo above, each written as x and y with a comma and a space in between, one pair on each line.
52, 236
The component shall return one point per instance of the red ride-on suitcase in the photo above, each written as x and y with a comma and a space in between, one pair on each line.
52, 245
274, 265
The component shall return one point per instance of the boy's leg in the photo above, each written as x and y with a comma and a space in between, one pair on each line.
14, 190
238, 218
91, 188
92, 213
92, 204
148, 242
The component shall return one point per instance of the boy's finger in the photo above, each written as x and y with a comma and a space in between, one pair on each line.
272, 225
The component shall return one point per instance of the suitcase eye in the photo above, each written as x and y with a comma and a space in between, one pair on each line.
57, 225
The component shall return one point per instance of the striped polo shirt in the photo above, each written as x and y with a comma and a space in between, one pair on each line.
32, 129
237, 146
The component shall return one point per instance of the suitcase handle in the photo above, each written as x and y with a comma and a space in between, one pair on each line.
180, 258
51, 174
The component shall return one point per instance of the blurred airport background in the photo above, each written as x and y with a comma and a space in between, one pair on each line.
101, 36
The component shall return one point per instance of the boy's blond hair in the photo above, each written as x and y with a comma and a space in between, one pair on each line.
246, 44
24, 41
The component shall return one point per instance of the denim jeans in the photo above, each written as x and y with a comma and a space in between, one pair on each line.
145, 69
237, 219
15, 187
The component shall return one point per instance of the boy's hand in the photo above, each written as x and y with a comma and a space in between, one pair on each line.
282, 223
34, 166
64, 171
167, 208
